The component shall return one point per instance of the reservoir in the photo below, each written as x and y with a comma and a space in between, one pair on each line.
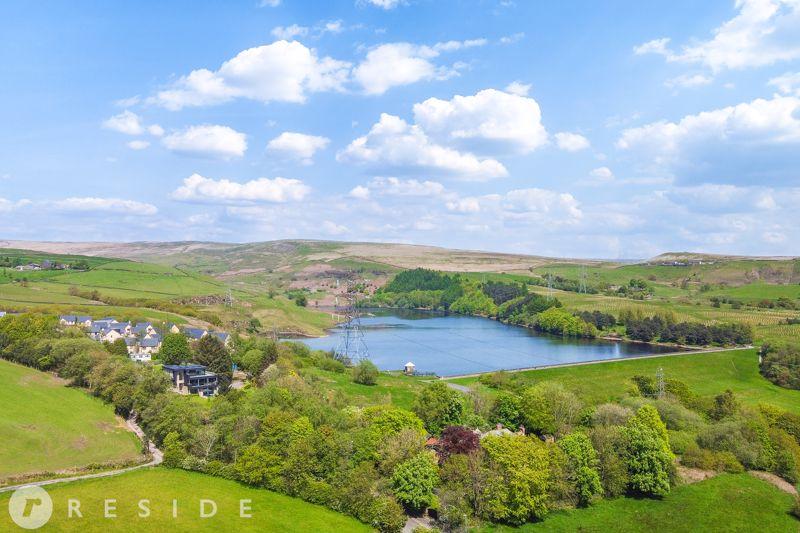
451, 344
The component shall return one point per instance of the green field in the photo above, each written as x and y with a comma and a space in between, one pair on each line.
270, 511
45, 426
705, 373
391, 388
729, 503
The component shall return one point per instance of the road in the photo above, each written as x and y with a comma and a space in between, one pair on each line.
158, 457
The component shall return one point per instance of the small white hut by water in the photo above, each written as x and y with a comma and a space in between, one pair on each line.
409, 368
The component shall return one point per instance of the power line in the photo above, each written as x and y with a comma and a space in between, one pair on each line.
352, 348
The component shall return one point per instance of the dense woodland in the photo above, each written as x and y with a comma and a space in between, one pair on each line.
289, 432
514, 304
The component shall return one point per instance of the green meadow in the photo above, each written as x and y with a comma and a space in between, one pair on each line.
46, 426
270, 511
705, 373
730, 503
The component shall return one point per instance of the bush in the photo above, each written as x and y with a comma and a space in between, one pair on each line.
581, 467
413, 481
439, 406
696, 457
365, 372
611, 414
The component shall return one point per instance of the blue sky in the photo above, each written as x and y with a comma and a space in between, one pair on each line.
591, 129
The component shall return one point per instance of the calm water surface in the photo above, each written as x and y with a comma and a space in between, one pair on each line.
450, 345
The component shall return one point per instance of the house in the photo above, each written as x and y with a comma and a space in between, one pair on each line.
172, 328
224, 337
195, 333
75, 320
192, 379
409, 368
131, 344
150, 345
110, 335
142, 328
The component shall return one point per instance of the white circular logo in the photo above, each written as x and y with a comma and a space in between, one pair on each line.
30, 507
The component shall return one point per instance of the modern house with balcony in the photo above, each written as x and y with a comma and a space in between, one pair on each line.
192, 379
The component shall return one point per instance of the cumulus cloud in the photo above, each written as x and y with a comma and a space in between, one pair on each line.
518, 88
138, 145
207, 140
763, 32
197, 188
542, 202
395, 64
284, 71
464, 205
126, 122
384, 4
787, 83
602, 173
754, 140
289, 32
298, 145
104, 205
688, 81
394, 145
721, 198
571, 142
359, 192
396, 187
488, 122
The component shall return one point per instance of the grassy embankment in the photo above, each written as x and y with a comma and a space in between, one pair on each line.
270, 511
730, 503
705, 374
46, 426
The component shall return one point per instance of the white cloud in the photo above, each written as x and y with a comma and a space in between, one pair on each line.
384, 4
394, 145
571, 142
787, 83
719, 198
752, 140
269, 3
360, 192
197, 188
487, 122
332, 228
464, 205
688, 81
155, 130
282, 71
602, 173
298, 145
395, 64
104, 205
207, 140
763, 32
289, 32
397, 187
126, 122
518, 88
332, 26
513, 38
138, 145
390, 65
542, 202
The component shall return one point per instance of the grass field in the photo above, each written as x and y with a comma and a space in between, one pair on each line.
730, 503
705, 373
390, 389
45, 426
270, 511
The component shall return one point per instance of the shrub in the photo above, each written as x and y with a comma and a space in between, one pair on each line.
413, 481
581, 467
365, 372
648, 457
610, 414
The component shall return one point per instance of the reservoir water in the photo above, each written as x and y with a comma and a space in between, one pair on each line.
451, 344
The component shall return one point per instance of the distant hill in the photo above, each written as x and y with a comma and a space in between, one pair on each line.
694, 257
233, 259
